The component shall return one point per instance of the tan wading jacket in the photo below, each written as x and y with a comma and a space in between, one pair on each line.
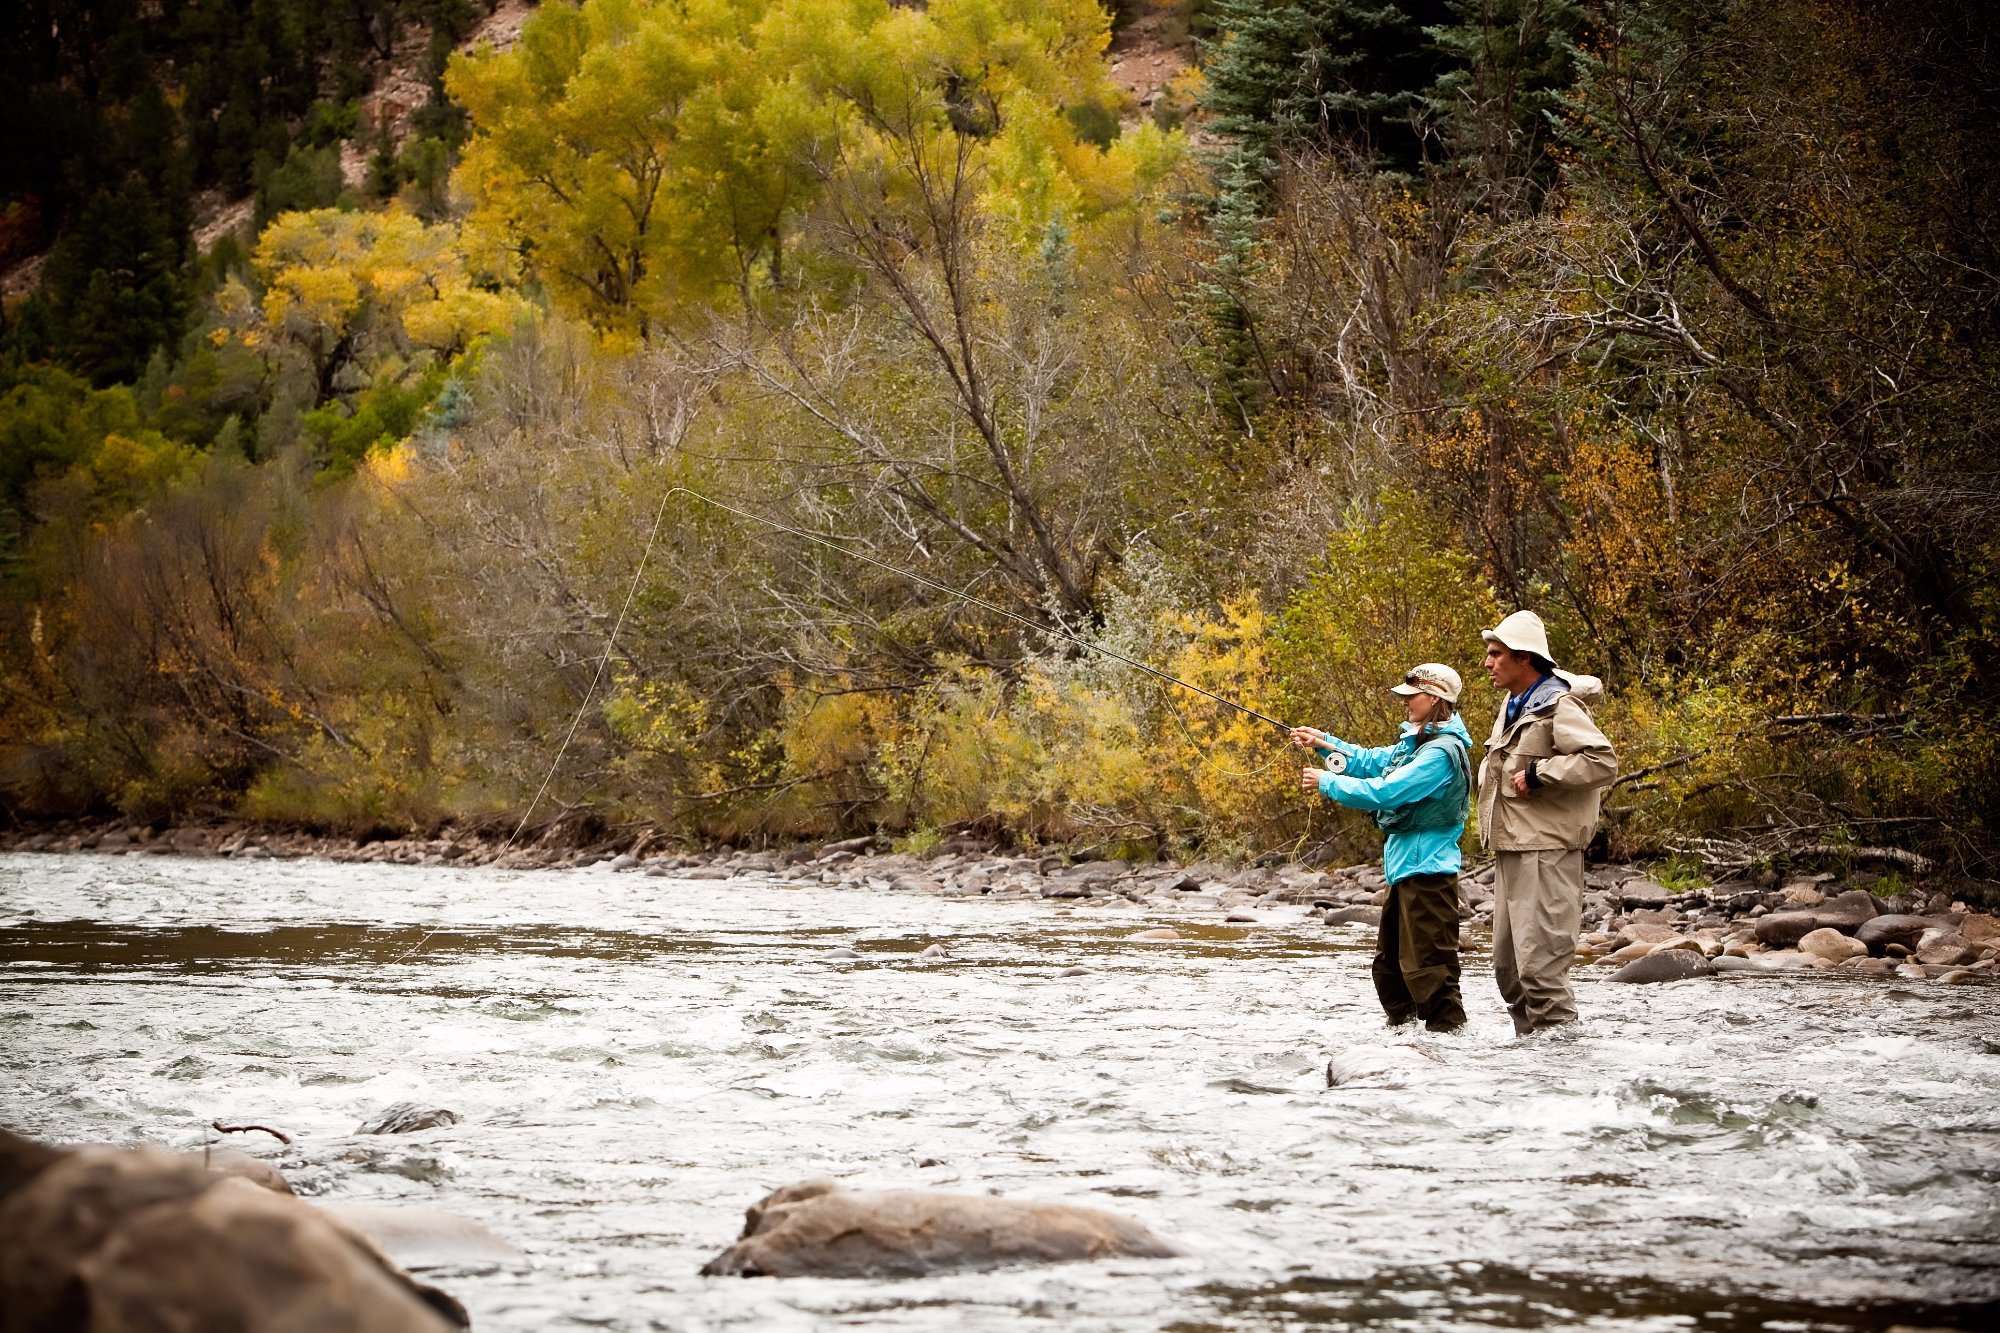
1574, 764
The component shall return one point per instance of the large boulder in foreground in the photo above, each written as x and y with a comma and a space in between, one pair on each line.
1844, 912
816, 1229
419, 1238
118, 1241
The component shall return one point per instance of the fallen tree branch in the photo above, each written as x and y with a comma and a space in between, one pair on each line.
1916, 862
1661, 767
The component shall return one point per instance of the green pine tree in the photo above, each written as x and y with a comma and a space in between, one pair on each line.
1348, 74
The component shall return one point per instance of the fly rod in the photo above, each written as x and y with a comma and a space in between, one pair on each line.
983, 604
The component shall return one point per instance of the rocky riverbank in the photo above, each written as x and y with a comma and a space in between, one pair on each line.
1807, 922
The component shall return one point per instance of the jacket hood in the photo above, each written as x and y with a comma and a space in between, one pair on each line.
1587, 689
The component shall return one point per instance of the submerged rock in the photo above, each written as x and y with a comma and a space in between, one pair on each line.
1158, 935
816, 1229
123, 1240
407, 1118
1392, 1066
1353, 916
1666, 965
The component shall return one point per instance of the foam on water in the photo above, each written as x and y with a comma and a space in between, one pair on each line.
636, 1059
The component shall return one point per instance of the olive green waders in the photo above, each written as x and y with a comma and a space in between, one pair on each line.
1537, 907
1416, 952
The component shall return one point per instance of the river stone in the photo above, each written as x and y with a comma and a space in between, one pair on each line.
1671, 965
1354, 916
420, 1238
1831, 945
148, 1240
1642, 893
1735, 963
1676, 942
1159, 933
1980, 928
1947, 948
1629, 954
1644, 932
1843, 913
817, 1229
407, 1118
935, 953
1878, 933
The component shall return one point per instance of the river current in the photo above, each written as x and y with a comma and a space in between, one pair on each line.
637, 1059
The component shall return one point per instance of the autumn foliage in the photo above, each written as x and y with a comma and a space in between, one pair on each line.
1672, 321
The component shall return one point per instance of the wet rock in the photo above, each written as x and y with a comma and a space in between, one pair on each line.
1671, 965
135, 1239
420, 1238
1831, 945
1642, 893
1946, 948
935, 953
407, 1118
1239, 919
817, 1229
1958, 976
1354, 916
842, 954
1643, 932
1843, 913
1677, 942
1630, 953
1869, 966
1158, 934
1897, 929
1980, 928
705, 873
1735, 963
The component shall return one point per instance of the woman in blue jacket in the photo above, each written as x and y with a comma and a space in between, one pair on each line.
1418, 790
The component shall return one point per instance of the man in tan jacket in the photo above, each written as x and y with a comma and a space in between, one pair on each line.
1544, 774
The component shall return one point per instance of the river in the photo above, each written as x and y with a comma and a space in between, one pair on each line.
637, 1059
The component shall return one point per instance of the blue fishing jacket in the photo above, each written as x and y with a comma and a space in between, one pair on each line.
1389, 776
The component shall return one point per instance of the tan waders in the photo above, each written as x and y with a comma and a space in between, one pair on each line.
1537, 906
1416, 952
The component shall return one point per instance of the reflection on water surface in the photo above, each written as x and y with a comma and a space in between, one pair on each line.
637, 1059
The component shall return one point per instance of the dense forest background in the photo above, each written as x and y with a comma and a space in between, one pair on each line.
363, 365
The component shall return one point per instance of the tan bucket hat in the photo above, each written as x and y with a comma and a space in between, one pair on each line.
1524, 633
1430, 678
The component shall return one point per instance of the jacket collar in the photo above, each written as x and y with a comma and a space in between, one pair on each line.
1541, 696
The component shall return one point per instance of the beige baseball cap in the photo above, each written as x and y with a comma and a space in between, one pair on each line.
1430, 678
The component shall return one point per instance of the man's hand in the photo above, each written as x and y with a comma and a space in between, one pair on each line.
1308, 736
1521, 787
1309, 778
